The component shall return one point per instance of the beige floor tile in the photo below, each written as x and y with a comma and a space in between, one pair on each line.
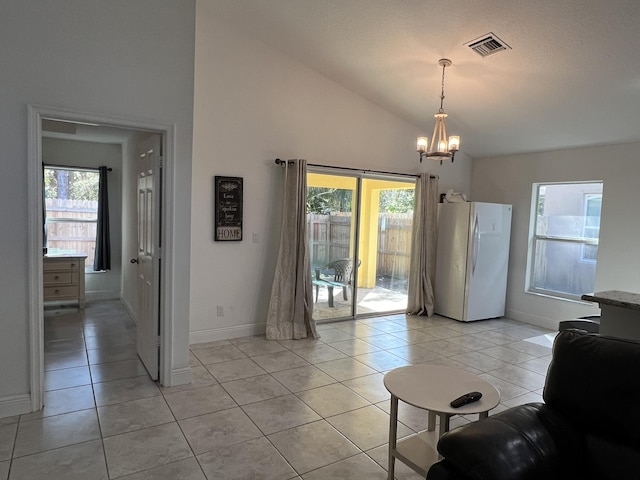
7, 440
382, 360
198, 401
520, 376
254, 459
64, 346
4, 470
387, 341
67, 377
115, 353
218, 353
143, 449
133, 415
260, 347
219, 429
507, 389
354, 347
301, 343
64, 401
125, 389
332, 399
187, 469
319, 353
358, 467
402, 472
235, 370
312, 446
255, 389
345, 368
58, 431
413, 417
108, 340
303, 378
76, 462
275, 362
280, 413
106, 372
58, 361
200, 377
370, 387
367, 427
479, 361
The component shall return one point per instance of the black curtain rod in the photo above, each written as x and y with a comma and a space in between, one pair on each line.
290, 162
74, 167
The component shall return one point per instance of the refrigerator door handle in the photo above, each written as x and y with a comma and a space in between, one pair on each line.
476, 245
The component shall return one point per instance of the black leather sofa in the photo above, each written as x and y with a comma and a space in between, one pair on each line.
587, 428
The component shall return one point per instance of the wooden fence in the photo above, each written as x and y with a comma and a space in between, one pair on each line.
76, 236
330, 236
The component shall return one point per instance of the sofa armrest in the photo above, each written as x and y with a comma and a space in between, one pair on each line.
523, 443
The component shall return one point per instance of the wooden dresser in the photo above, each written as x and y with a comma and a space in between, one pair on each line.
64, 278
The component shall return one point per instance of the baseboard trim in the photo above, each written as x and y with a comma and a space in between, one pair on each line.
215, 334
180, 376
127, 306
98, 295
533, 319
15, 405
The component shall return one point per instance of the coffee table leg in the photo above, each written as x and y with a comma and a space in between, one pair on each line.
444, 423
393, 430
483, 415
431, 421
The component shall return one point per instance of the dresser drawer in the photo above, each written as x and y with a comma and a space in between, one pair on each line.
61, 293
61, 265
60, 278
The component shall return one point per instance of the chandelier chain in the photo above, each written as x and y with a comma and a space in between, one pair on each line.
442, 91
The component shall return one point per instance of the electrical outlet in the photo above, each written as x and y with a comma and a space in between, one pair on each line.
220, 311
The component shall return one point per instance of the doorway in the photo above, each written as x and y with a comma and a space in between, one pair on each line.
82, 121
359, 230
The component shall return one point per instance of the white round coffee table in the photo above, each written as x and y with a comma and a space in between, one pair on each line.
431, 388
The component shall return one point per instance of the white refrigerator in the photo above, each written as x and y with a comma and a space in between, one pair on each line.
472, 260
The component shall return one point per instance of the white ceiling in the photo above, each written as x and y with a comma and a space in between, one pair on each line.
572, 77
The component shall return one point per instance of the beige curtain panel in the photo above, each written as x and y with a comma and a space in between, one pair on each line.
422, 268
290, 308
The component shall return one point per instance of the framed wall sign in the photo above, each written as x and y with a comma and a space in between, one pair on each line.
228, 209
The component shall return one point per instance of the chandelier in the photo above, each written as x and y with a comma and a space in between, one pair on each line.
441, 148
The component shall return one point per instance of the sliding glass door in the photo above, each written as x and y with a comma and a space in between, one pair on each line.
359, 229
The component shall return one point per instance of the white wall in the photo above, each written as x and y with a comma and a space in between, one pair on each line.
129, 59
56, 151
509, 179
253, 105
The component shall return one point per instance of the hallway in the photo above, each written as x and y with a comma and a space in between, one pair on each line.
302, 409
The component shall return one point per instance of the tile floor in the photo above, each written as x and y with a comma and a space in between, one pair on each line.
256, 409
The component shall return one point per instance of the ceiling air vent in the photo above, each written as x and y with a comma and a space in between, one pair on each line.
488, 44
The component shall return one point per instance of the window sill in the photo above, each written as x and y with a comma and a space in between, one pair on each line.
557, 297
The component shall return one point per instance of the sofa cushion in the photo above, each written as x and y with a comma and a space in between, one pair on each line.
591, 382
528, 442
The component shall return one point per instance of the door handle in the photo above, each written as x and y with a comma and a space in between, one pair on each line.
133, 260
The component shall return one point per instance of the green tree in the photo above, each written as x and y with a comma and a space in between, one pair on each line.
397, 200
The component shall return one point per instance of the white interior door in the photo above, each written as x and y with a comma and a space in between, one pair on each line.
148, 260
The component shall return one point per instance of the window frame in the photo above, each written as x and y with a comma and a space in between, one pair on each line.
71, 220
535, 238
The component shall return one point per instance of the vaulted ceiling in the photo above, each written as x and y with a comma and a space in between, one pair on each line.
571, 77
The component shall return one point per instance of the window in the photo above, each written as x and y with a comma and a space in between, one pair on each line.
71, 211
564, 238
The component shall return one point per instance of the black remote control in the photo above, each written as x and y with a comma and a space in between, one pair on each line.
466, 399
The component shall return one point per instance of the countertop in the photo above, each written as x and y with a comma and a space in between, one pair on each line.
615, 298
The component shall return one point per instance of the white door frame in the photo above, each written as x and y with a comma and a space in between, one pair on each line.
35, 236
